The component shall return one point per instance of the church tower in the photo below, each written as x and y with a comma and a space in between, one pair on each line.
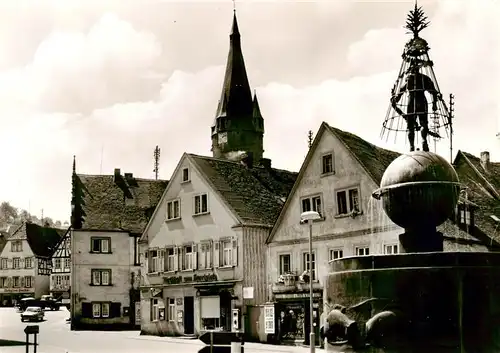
238, 125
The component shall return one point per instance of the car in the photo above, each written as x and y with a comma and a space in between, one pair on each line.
32, 313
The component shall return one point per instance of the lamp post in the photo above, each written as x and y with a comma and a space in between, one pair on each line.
309, 217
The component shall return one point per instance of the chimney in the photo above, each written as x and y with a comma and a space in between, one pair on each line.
485, 160
129, 176
117, 175
247, 159
265, 162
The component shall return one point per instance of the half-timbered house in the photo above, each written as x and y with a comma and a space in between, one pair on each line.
60, 277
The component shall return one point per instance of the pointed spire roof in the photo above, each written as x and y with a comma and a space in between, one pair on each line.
74, 164
236, 96
256, 107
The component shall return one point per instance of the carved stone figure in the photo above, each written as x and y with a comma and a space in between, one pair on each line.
416, 85
338, 327
385, 328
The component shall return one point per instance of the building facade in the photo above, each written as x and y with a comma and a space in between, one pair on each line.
109, 213
60, 276
25, 262
338, 176
204, 248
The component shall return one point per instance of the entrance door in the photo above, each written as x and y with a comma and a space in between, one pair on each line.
189, 315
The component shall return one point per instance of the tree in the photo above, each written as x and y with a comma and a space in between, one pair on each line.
8, 213
58, 224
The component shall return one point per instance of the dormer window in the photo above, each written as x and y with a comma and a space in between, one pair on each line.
327, 165
185, 175
465, 215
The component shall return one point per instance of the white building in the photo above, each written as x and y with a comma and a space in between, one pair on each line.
25, 262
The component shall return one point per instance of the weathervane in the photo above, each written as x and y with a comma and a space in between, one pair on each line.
409, 111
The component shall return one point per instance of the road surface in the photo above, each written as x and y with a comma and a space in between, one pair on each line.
56, 337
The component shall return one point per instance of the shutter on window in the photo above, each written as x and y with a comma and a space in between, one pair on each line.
235, 251
195, 256
176, 259
22, 282
216, 253
115, 310
161, 257
146, 261
8, 282
87, 310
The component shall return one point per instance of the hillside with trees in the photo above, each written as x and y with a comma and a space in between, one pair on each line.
10, 215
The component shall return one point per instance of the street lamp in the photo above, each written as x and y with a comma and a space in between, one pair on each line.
309, 217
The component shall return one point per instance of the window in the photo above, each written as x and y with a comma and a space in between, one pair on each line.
205, 256
67, 263
464, 215
16, 246
137, 258
171, 309
170, 260
4, 263
327, 163
188, 263
285, 264
362, 250
16, 263
28, 262
28, 281
306, 265
153, 261
312, 203
200, 204
100, 310
100, 245
173, 209
57, 263
336, 254
185, 175
227, 253
155, 308
391, 249
101, 277
348, 201
3, 282
16, 281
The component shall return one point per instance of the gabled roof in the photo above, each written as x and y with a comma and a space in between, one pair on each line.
104, 202
255, 194
372, 158
375, 160
482, 188
42, 240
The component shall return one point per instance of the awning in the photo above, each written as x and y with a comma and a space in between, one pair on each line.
223, 284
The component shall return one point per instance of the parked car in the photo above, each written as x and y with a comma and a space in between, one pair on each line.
32, 313
46, 302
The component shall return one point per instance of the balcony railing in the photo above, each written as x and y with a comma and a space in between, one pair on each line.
291, 282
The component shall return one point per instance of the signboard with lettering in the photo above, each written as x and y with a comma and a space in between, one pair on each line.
16, 290
210, 277
137, 313
269, 319
296, 295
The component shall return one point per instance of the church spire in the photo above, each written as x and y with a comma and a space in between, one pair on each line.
236, 96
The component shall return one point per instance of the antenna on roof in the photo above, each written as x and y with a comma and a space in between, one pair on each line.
102, 154
310, 138
234, 6
450, 124
156, 155
41, 220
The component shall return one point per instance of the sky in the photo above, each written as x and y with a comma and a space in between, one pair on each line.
108, 80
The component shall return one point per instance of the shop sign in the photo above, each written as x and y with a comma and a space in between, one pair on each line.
16, 290
296, 295
269, 319
211, 277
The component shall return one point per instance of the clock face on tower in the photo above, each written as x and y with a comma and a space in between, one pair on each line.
223, 137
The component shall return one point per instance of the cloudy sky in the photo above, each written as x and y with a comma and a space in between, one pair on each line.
107, 80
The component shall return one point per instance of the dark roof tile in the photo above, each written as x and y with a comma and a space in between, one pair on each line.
256, 194
42, 240
105, 207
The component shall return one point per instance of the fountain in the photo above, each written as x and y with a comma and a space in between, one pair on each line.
422, 299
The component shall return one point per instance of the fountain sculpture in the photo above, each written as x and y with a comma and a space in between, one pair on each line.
423, 299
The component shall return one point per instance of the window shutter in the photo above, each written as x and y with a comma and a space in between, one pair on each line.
195, 256
216, 253
235, 251
115, 310
146, 261
176, 259
87, 310
22, 282
161, 260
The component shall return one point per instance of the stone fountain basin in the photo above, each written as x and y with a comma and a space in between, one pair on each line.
448, 299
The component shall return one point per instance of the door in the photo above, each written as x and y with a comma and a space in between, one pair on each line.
188, 315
